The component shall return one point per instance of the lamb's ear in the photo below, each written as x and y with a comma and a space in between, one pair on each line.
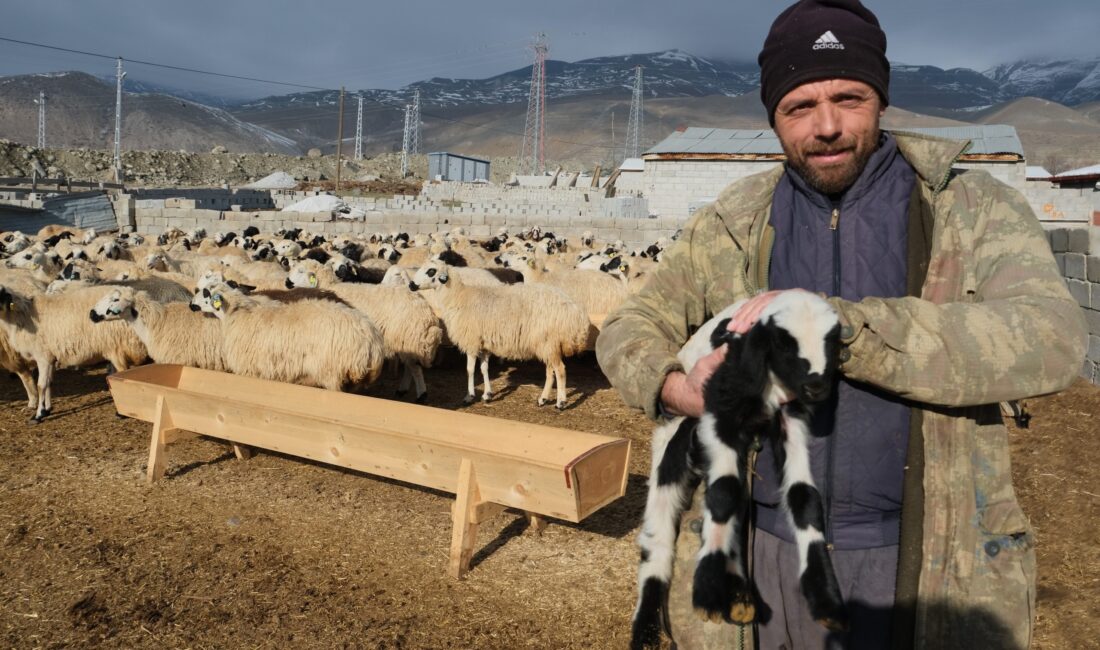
751, 353
721, 335
233, 284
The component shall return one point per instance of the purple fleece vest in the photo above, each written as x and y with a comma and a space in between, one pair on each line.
858, 449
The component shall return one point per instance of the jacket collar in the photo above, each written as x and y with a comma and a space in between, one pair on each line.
742, 204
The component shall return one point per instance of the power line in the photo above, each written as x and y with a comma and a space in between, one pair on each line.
162, 65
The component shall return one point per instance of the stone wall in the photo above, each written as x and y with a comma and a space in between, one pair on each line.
635, 232
1082, 273
675, 188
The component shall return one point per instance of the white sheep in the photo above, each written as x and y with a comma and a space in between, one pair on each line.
410, 328
598, 292
312, 342
510, 321
55, 331
172, 333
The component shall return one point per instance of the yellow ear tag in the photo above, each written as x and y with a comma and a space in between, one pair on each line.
217, 303
313, 280
35, 266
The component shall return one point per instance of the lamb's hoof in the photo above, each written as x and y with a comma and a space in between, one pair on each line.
743, 611
486, 397
560, 406
35, 419
542, 402
422, 398
469, 399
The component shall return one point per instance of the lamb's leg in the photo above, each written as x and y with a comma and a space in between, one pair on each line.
29, 386
418, 381
487, 394
471, 374
672, 480
45, 378
559, 372
721, 589
406, 377
545, 396
806, 512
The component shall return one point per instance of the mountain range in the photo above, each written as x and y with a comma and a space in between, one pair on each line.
584, 100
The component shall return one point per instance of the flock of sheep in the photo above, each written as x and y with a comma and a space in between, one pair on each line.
296, 307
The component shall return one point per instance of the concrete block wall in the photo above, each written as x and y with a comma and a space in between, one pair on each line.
674, 187
1081, 269
1057, 204
635, 232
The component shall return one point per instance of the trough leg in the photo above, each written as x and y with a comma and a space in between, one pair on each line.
469, 511
242, 452
535, 524
162, 423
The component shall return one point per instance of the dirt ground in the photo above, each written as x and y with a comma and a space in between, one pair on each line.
278, 552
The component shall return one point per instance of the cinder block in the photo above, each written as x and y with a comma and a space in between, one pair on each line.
1080, 292
1094, 295
1075, 266
1092, 269
1078, 240
1092, 319
1094, 348
1059, 240
1060, 260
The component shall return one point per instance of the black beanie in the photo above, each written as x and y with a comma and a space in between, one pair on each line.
821, 39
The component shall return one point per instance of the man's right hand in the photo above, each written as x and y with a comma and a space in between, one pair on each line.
682, 394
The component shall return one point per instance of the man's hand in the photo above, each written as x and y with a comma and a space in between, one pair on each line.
683, 394
749, 313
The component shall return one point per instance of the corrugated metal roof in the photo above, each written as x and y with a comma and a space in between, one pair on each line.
984, 139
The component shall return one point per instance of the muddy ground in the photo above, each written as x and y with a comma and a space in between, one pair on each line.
277, 552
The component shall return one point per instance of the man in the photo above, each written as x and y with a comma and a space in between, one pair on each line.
950, 302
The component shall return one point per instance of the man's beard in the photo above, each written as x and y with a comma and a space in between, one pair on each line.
833, 179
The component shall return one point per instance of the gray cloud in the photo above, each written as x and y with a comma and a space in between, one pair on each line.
373, 44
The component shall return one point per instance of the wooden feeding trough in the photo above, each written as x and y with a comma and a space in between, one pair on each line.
488, 463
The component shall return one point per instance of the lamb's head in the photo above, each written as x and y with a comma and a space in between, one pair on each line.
117, 304
794, 346
157, 261
431, 275
88, 236
76, 253
81, 271
214, 300
344, 268
587, 238
109, 250
389, 253
302, 275
396, 276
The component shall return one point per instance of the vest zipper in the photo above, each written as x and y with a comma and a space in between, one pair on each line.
834, 226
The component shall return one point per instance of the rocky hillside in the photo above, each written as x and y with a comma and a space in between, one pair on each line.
80, 112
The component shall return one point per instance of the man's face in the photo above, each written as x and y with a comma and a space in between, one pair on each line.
829, 129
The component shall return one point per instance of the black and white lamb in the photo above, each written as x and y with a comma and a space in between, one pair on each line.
764, 392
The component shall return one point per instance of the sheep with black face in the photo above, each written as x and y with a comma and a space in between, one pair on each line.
764, 391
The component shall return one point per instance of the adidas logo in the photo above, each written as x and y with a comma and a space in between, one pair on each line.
828, 42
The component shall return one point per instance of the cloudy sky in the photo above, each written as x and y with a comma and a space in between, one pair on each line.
370, 44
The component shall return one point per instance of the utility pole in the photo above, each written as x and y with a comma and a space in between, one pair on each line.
406, 141
41, 101
359, 131
339, 137
416, 123
120, 75
634, 126
534, 132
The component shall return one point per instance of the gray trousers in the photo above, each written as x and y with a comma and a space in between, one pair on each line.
866, 578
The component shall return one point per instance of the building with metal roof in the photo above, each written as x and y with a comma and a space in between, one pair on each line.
691, 166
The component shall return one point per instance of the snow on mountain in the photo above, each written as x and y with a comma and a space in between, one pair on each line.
1066, 82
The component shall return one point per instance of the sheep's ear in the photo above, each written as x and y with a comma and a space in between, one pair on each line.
750, 353
233, 284
133, 312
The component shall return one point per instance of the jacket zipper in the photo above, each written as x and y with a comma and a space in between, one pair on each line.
834, 226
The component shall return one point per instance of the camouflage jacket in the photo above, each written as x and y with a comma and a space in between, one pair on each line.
993, 322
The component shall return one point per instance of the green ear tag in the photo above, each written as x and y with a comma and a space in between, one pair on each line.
313, 280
